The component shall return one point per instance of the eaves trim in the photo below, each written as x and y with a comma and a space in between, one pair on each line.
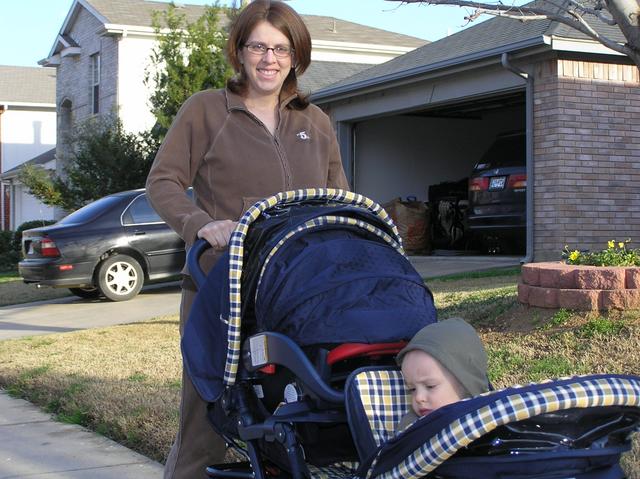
581, 46
124, 30
73, 12
333, 45
23, 104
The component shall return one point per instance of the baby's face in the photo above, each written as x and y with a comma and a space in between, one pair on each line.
431, 385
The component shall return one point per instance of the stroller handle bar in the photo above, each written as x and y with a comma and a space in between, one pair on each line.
193, 257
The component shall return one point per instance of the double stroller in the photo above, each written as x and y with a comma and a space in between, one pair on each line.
292, 339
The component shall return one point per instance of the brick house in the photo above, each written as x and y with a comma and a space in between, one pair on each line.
27, 135
425, 118
104, 46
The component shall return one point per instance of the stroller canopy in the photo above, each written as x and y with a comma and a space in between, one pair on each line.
323, 267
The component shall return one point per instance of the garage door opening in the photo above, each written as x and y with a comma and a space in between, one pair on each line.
433, 156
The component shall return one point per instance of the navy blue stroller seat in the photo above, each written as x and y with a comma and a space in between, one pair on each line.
314, 285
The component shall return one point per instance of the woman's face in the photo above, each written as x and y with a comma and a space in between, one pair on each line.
265, 72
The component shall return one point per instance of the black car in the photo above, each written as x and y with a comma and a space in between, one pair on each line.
110, 248
497, 195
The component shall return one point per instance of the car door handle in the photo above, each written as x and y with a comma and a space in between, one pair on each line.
140, 233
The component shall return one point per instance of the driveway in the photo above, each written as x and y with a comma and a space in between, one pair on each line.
71, 313
436, 265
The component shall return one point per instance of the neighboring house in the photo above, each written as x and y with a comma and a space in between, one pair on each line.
426, 117
27, 134
104, 48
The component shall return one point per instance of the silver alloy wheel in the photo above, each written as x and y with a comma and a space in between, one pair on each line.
121, 278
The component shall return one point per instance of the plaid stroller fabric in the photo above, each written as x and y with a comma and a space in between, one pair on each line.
377, 400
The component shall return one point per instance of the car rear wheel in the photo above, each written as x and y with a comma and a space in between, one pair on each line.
120, 277
86, 293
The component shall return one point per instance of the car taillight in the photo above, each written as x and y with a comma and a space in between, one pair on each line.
479, 184
48, 247
517, 181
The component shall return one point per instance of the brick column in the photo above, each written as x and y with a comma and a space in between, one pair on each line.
586, 156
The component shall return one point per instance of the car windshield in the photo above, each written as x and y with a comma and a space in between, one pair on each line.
90, 211
507, 151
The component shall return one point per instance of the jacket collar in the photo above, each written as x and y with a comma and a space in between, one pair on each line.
236, 102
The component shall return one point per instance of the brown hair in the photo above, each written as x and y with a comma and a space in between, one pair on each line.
286, 20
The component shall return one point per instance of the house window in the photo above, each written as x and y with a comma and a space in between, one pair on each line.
95, 83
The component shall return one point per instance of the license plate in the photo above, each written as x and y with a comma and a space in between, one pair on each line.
497, 182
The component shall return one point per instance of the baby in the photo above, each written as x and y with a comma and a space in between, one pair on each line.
443, 363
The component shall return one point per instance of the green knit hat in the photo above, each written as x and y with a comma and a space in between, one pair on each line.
456, 346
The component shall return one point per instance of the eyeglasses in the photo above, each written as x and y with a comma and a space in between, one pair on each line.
281, 51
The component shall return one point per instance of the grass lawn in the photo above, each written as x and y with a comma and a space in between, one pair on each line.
124, 381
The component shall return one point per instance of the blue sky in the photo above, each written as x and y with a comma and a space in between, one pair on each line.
29, 27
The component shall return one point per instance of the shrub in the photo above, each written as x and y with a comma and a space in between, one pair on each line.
6, 241
8, 256
27, 225
616, 254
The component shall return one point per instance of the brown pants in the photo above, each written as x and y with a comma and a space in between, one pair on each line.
196, 445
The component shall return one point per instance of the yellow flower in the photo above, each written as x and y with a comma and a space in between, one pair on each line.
620, 244
574, 255
611, 243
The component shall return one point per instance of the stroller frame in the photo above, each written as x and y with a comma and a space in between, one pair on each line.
257, 354
269, 349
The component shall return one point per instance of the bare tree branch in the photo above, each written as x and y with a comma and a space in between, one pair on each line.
596, 12
623, 13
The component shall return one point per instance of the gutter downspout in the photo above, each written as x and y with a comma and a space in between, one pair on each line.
529, 152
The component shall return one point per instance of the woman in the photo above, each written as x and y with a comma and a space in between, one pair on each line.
257, 137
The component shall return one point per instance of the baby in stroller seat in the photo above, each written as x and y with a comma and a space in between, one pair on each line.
443, 363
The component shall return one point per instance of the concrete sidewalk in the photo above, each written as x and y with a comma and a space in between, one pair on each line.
35, 446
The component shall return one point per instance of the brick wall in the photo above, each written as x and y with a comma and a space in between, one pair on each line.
586, 155
73, 74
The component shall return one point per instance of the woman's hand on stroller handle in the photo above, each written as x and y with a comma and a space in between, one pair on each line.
217, 233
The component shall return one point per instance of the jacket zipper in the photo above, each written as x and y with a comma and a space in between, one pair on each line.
276, 142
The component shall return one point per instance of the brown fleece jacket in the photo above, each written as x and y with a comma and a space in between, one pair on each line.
231, 159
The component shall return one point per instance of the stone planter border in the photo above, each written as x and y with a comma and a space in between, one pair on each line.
584, 288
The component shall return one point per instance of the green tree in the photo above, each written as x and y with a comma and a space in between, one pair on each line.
189, 58
104, 159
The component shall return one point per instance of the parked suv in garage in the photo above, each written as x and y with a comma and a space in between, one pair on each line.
109, 248
497, 195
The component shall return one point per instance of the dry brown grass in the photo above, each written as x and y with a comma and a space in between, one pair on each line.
123, 381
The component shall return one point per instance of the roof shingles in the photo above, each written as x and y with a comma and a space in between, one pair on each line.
27, 85
483, 37
139, 12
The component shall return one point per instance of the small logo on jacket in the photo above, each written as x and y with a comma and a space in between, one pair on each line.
303, 135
